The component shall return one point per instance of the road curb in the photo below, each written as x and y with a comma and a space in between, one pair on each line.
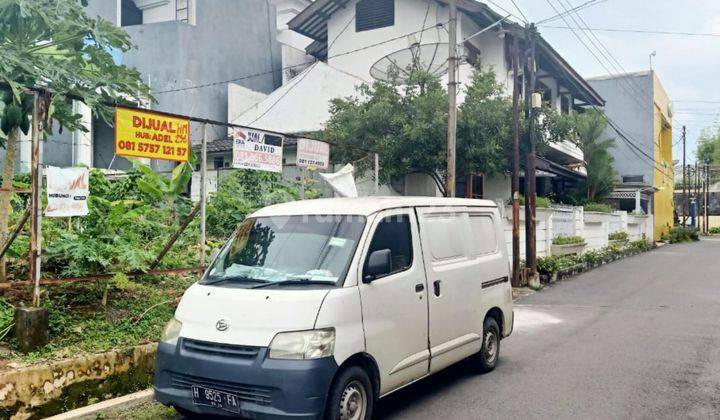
126, 401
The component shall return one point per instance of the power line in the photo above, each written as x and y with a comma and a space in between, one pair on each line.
309, 70
579, 7
637, 31
507, 11
605, 52
519, 10
253, 75
696, 101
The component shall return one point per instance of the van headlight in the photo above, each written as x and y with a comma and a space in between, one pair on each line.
303, 345
171, 332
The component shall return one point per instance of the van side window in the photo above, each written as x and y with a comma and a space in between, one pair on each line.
393, 233
484, 239
446, 231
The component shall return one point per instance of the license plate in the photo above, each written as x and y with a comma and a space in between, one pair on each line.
215, 398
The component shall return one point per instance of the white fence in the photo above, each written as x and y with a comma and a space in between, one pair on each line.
573, 221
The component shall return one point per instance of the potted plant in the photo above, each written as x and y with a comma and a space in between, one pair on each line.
620, 237
596, 212
566, 245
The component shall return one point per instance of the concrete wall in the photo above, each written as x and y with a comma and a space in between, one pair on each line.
593, 227
53, 387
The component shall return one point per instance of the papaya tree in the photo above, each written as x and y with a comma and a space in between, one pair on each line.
56, 46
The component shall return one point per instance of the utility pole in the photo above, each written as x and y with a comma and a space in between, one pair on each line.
452, 98
684, 169
516, 165
530, 244
707, 197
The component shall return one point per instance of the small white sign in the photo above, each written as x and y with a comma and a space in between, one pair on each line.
67, 191
313, 153
257, 150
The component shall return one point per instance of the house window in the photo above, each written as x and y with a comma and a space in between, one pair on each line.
475, 186
565, 104
374, 14
218, 162
632, 178
130, 14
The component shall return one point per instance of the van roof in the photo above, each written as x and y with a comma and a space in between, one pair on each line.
363, 206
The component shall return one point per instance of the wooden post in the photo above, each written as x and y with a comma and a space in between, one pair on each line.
203, 194
175, 236
377, 173
38, 114
16, 232
302, 182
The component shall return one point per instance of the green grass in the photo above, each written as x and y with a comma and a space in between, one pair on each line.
598, 207
146, 411
136, 313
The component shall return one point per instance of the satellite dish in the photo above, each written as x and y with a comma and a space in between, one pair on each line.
432, 58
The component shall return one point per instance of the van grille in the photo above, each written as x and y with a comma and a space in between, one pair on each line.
243, 352
250, 393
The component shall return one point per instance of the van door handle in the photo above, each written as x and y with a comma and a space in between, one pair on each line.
419, 287
436, 287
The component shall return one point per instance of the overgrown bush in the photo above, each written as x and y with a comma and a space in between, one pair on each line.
243, 192
679, 234
620, 235
568, 240
540, 202
598, 207
714, 230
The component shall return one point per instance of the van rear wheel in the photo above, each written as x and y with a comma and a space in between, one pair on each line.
489, 353
351, 396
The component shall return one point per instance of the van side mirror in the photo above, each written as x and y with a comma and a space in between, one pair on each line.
214, 253
379, 263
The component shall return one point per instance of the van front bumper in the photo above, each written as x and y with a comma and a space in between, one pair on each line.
266, 388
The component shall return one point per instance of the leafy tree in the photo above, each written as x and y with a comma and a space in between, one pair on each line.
588, 130
55, 45
404, 121
708, 151
484, 126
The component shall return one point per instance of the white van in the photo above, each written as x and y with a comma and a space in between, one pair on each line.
316, 308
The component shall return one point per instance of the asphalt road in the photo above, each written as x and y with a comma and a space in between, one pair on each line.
638, 338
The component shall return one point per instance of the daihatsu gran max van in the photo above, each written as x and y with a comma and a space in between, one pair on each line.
317, 308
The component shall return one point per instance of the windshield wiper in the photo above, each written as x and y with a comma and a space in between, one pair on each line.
240, 279
303, 282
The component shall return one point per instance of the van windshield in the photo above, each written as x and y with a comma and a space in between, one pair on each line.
287, 251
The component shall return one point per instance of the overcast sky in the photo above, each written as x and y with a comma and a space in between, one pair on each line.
688, 66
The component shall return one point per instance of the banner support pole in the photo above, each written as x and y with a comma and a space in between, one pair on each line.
203, 195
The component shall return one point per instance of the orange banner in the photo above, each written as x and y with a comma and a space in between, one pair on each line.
146, 134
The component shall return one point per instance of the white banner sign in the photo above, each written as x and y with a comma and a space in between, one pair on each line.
258, 150
313, 153
67, 191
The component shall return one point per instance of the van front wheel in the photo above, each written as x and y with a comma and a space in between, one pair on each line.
351, 396
488, 355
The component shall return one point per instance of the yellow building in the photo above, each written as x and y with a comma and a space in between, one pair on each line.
641, 116
663, 179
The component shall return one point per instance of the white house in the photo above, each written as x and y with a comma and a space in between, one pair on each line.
356, 41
